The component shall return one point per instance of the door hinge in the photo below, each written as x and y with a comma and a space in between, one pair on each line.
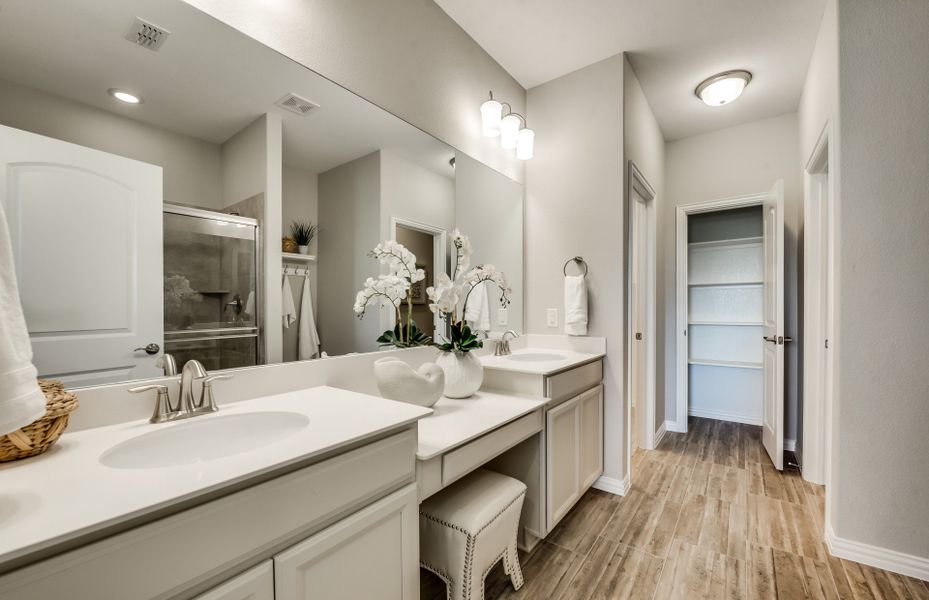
827, 344
638, 336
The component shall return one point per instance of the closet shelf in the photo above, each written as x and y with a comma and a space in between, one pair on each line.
294, 257
726, 284
725, 363
723, 243
728, 323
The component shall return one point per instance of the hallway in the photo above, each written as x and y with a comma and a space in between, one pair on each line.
707, 517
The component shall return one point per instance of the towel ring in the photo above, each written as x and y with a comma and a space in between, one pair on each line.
580, 263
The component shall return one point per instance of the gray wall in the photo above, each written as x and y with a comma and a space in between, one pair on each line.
489, 209
737, 161
300, 200
406, 56
191, 166
882, 400
574, 206
644, 144
349, 196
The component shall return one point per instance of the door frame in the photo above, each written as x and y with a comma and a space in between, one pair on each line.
439, 257
681, 297
819, 253
645, 414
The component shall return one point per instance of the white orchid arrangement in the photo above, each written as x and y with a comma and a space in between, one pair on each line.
391, 289
447, 293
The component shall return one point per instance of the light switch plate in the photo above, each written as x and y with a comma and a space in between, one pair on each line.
501, 316
551, 317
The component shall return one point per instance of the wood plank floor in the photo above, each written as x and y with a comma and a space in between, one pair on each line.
707, 517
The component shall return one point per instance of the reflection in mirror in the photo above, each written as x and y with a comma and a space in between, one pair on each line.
160, 223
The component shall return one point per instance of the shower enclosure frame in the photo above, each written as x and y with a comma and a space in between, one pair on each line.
189, 211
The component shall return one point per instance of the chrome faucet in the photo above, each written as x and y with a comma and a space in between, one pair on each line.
503, 345
186, 406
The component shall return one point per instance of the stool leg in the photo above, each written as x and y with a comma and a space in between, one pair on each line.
511, 566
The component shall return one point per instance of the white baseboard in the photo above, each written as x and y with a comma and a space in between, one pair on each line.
612, 485
874, 556
659, 435
790, 445
724, 416
673, 426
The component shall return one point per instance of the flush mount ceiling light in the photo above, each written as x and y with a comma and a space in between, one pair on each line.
510, 126
124, 96
723, 88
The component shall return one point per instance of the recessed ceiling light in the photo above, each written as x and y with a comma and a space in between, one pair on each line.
124, 96
723, 88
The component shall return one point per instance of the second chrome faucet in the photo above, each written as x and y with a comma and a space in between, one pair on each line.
187, 406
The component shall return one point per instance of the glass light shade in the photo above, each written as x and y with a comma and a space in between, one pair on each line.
491, 112
723, 88
524, 144
509, 131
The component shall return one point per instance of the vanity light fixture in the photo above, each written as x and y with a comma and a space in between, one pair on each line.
124, 96
510, 126
723, 88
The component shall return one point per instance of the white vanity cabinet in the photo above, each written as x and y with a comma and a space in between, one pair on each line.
574, 452
255, 584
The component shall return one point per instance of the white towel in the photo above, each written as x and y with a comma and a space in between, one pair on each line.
575, 305
21, 400
288, 310
307, 337
250, 304
477, 310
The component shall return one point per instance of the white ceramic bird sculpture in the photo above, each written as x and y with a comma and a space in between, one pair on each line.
397, 380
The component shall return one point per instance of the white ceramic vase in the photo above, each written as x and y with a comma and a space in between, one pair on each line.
303, 249
397, 380
464, 373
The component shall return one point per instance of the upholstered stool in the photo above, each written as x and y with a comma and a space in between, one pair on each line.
465, 529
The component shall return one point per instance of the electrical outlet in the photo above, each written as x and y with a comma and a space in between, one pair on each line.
501, 316
551, 317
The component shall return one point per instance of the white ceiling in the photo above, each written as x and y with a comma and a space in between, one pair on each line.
672, 44
207, 81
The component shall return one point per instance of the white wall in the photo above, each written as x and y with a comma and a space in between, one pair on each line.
489, 209
300, 202
348, 209
882, 411
737, 161
406, 56
191, 166
574, 206
644, 144
412, 192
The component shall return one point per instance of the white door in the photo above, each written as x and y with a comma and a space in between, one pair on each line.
773, 411
640, 331
86, 231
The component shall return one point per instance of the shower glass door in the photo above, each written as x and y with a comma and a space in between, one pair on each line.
211, 300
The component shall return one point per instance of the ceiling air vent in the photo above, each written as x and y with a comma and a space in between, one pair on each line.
147, 35
297, 104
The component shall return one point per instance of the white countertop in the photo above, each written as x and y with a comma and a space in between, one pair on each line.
561, 360
457, 422
66, 493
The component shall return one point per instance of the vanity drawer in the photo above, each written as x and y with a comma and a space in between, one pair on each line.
196, 549
573, 382
462, 461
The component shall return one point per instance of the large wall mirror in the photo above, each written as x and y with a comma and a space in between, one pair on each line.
151, 227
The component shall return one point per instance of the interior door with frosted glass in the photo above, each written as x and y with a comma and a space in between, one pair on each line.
86, 231
773, 409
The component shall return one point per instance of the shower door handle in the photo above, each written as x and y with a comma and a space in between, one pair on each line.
149, 349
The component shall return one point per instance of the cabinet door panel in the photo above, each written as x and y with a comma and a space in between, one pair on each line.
255, 584
591, 441
371, 554
562, 439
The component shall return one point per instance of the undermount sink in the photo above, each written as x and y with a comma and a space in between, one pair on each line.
203, 439
535, 357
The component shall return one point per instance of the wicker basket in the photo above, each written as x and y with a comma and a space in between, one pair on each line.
42, 434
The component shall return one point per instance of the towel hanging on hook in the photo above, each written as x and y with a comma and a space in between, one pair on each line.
580, 263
